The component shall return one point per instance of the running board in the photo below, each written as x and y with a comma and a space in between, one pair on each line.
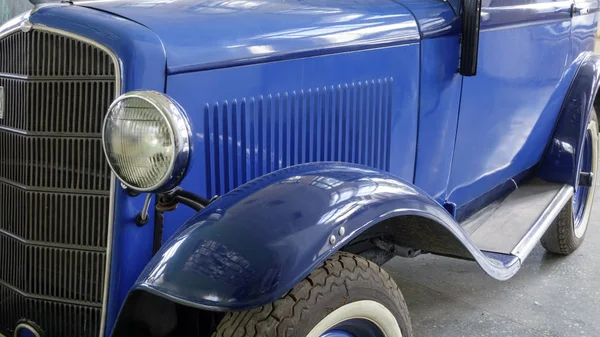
507, 231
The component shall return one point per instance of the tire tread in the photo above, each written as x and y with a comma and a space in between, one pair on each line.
559, 238
280, 317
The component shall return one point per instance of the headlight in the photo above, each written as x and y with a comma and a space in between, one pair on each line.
146, 139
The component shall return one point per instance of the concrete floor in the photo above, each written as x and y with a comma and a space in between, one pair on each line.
550, 296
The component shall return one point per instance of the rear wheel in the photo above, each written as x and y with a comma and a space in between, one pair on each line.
347, 296
567, 232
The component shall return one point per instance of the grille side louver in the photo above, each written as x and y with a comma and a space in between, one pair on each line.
349, 122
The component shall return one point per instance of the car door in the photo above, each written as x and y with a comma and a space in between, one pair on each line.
508, 110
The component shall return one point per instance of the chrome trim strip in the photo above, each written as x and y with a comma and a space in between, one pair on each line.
50, 134
111, 213
48, 298
498, 17
12, 30
52, 190
50, 245
56, 78
543, 222
2, 102
109, 240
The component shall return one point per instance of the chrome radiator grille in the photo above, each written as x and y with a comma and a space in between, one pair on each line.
54, 182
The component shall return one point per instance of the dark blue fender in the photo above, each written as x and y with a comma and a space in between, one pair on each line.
561, 161
254, 244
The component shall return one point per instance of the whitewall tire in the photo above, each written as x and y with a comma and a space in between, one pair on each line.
347, 296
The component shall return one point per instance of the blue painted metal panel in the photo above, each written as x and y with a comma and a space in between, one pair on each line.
582, 193
508, 111
143, 58
139, 50
245, 139
584, 27
29, 333
337, 333
354, 328
359, 107
255, 243
455, 5
431, 15
212, 34
131, 251
505, 13
353, 107
438, 115
562, 158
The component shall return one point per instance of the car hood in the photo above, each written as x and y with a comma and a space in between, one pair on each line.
207, 34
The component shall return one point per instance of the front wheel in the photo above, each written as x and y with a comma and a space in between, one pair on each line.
567, 232
347, 296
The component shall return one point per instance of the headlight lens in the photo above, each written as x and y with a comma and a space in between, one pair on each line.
146, 141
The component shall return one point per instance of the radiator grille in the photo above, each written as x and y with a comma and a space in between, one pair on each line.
54, 163
72, 107
46, 54
253, 136
54, 182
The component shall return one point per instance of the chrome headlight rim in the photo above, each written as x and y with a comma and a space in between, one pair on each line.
179, 132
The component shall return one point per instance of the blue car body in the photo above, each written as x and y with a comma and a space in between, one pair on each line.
367, 95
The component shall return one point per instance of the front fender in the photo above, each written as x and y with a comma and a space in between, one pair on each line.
254, 244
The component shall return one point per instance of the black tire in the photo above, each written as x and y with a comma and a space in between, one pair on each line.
561, 237
342, 279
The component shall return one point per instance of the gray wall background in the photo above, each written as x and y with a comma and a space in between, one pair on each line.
10, 8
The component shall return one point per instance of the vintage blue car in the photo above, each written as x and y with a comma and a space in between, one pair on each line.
244, 167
